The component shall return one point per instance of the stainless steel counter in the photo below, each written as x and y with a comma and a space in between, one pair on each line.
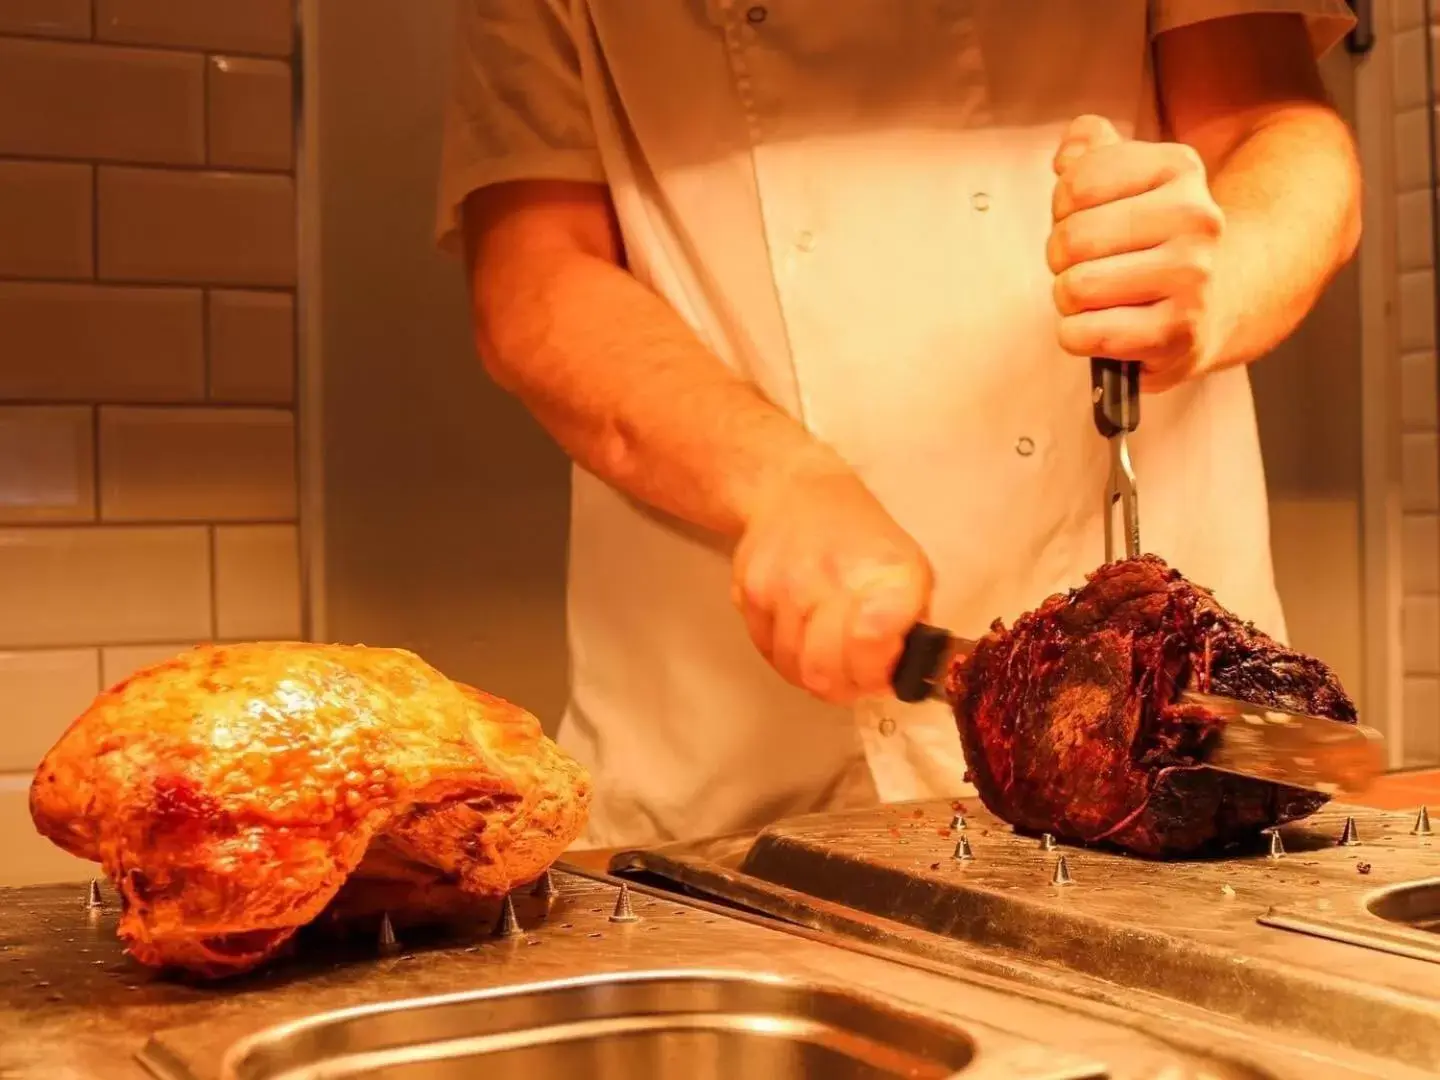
1325, 942
73, 1007
1137, 969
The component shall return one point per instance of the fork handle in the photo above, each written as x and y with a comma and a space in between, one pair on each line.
1115, 391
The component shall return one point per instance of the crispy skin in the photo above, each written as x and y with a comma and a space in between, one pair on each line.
1071, 724
231, 791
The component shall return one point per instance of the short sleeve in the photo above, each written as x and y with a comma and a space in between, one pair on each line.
1327, 20
517, 108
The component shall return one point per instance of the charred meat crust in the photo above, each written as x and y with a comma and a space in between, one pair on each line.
1071, 723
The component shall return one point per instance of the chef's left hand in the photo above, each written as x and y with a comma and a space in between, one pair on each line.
1133, 248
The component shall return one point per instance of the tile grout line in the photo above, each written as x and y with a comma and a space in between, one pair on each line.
207, 63
178, 403
150, 46
208, 295
137, 285
143, 283
214, 585
95, 459
111, 524
180, 640
186, 167
207, 307
94, 222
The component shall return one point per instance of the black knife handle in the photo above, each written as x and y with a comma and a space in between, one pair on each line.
1115, 390
920, 662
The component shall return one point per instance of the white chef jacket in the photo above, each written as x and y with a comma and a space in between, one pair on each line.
849, 201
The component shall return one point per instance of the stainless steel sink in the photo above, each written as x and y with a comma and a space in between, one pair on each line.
691, 1024
1416, 906
1400, 919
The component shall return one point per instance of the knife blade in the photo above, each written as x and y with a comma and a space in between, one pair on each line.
1316, 753
1304, 751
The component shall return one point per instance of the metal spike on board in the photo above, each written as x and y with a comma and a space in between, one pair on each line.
544, 887
1422, 823
1277, 846
507, 925
1061, 876
388, 944
624, 912
1349, 837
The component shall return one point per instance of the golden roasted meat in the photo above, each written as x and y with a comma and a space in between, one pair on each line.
231, 791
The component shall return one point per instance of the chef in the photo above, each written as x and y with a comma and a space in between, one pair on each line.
805, 288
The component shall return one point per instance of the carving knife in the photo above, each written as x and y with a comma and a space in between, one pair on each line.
1313, 752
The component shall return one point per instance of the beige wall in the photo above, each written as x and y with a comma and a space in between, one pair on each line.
148, 493
445, 508
1307, 397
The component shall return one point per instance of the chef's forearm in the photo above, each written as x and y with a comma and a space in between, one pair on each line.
622, 383
1291, 196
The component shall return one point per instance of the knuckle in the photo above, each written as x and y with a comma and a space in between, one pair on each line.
1188, 263
1186, 159
1069, 245
753, 592
1073, 290
1209, 219
1060, 292
1057, 249
1082, 187
816, 681
1180, 332
1078, 338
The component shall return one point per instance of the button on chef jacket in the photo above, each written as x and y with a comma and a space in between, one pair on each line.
848, 200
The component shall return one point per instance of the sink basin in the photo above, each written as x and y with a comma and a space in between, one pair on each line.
1416, 906
1401, 919
692, 1024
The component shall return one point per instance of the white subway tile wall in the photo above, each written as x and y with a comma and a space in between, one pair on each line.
1414, 98
1420, 554
1407, 13
148, 493
43, 689
1413, 244
1422, 698
173, 464
121, 661
1418, 402
47, 219
110, 102
47, 463
46, 18
251, 114
93, 342
222, 228
257, 582
71, 585
261, 27
252, 346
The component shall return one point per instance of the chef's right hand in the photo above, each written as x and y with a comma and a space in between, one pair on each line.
828, 583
